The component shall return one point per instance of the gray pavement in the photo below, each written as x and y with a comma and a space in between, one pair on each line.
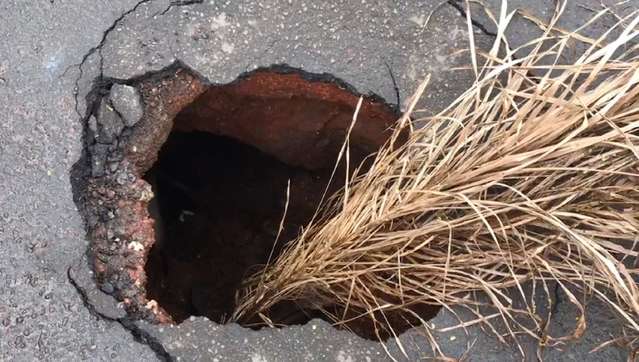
52, 51
41, 313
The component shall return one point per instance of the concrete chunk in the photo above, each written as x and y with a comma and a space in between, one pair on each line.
126, 101
109, 123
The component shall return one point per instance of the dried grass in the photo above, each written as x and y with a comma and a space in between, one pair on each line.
530, 176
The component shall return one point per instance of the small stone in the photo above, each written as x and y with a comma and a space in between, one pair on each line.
137, 246
151, 304
113, 166
107, 288
20, 343
146, 194
98, 159
122, 178
109, 123
127, 102
93, 125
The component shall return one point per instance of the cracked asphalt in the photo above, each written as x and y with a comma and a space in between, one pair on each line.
51, 54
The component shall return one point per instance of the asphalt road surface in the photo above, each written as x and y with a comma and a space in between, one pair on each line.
51, 52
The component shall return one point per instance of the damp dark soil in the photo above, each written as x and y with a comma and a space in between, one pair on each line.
219, 204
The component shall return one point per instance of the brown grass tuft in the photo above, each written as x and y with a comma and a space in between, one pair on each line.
530, 175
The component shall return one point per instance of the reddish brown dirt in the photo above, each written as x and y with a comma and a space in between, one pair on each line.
299, 122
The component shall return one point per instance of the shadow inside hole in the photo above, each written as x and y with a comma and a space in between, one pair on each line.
217, 210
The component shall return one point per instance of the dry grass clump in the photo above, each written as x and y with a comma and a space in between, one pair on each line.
530, 175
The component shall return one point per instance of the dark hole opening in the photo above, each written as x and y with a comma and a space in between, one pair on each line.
218, 207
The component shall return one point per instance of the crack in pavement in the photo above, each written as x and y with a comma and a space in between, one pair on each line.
457, 5
177, 3
145, 337
138, 334
395, 87
85, 298
98, 48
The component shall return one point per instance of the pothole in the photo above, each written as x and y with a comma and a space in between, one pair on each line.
187, 183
